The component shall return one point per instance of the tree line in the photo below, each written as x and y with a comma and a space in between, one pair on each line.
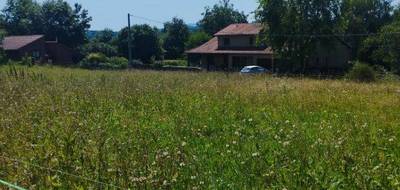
57, 19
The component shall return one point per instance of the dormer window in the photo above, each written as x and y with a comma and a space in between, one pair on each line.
251, 41
227, 41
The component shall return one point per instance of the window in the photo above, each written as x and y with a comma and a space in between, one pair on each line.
227, 41
36, 55
251, 41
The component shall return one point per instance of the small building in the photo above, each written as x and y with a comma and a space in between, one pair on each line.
235, 46
35, 46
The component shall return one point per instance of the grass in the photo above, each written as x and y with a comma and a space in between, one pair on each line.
171, 130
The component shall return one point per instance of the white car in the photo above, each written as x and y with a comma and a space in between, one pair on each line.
253, 70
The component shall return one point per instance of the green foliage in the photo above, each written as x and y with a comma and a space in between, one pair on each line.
286, 20
145, 43
22, 17
362, 73
118, 62
181, 63
219, 16
196, 39
54, 18
99, 47
383, 49
27, 60
100, 61
104, 36
177, 130
177, 34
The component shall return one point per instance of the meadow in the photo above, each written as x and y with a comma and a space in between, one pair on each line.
78, 129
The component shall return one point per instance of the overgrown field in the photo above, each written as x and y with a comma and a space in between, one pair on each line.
151, 130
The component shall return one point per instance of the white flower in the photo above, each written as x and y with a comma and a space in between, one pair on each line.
255, 154
184, 143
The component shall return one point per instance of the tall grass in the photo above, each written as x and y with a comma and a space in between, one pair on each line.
150, 130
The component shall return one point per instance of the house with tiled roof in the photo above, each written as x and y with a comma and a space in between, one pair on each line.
235, 46
38, 48
232, 48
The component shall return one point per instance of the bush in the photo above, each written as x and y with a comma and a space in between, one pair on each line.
362, 72
118, 62
182, 63
137, 62
3, 58
100, 61
27, 60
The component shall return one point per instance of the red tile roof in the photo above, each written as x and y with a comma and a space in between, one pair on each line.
17, 42
211, 47
240, 29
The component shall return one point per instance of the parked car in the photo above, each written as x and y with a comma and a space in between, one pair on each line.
253, 70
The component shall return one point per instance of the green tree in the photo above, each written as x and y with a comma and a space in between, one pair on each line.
292, 27
22, 17
196, 39
99, 47
54, 18
67, 24
145, 43
383, 49
104, 36
364, 17
219, 16
177, 34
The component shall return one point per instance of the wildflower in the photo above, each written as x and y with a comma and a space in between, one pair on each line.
182, 164
255, 154
234, 142
391, 140
165, 153
237, 133
201, 182
193, 177
165, 182
184, 143
286, 143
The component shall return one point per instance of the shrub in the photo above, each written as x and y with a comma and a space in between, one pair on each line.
27, 60
100, 61
362, 72
118, 62
175, 63
137, 62
3, 58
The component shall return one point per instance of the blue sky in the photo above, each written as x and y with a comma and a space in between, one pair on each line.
113, 13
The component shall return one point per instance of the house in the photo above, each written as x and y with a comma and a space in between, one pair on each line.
232, 48
235, 46
35, 46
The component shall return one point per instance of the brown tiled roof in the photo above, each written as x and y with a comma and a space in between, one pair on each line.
17, 42
240, 29
211, 47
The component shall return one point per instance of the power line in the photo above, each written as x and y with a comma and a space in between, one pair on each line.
62, 172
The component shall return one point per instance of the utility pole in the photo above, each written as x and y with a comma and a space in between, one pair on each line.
129, 39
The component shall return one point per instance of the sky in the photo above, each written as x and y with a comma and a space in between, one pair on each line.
113, 13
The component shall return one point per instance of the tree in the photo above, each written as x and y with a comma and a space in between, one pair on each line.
292, 27
104, 36
364, 17
196, 39
99, 47
67, 24
220, 16
145, 43
177, 34
54, 18
383, 49
22, 17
